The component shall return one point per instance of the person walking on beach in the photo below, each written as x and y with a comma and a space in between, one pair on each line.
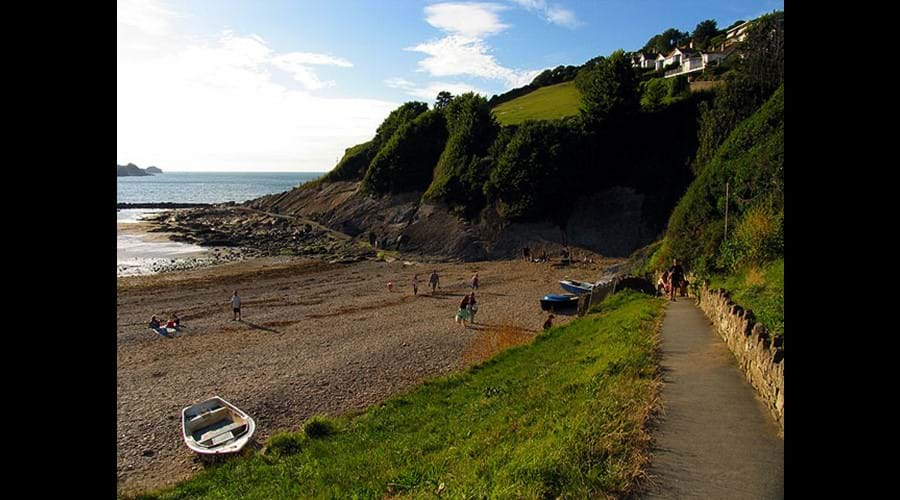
434, 281
236, 306
473, 307
415, 284
463, 311
475, 282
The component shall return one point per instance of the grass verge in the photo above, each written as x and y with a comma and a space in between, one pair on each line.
760, 289
562, 416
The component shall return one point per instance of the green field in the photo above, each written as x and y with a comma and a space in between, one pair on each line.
545, 103
564, 416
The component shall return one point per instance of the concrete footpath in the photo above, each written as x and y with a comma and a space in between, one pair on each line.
714, 438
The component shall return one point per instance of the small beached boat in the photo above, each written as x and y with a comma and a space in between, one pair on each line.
554, 302
216, 426
577, 287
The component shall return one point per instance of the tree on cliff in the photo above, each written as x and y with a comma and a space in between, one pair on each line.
609, 89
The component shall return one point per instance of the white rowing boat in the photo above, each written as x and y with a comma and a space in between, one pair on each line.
216, 426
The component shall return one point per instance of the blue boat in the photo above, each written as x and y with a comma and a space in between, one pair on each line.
576, 287
554, 302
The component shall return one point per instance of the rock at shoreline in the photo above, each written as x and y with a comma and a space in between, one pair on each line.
153, 170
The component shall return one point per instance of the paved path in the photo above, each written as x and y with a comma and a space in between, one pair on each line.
715, 439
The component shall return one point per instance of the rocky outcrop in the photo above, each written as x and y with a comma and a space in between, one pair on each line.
130, 170
610, 223
759, 355
153, 170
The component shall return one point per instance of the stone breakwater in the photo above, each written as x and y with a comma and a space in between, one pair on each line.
759, 355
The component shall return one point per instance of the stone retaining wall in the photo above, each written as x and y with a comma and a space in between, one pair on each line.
759, 355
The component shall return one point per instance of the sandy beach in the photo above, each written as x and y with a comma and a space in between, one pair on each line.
316, 338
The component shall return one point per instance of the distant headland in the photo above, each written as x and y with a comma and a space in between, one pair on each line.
132, 170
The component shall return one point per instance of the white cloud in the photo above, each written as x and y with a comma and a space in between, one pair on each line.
149, 16
429, 92
463, 51
553, 13
468, 19
213, 105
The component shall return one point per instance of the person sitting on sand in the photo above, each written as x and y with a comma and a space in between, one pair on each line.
549, 322
390, 285
463, 311
177, 320
171, 323
157, 327
473, 307
236, 306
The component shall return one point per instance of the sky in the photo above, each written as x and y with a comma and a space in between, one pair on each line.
287, 86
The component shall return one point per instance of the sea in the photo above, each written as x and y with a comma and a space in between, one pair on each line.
140, 253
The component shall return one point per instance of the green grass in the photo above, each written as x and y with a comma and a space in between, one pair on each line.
760, 289
563, 416
545, 103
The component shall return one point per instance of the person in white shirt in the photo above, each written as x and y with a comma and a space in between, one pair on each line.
236, 306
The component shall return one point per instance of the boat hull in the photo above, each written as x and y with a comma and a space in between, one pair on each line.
576, 287
558, 302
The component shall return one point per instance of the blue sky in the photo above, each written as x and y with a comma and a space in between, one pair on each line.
288, 85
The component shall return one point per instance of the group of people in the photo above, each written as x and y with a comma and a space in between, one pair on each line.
157, 326
672, 281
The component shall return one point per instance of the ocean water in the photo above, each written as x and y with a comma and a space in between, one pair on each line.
139, 254
207, 187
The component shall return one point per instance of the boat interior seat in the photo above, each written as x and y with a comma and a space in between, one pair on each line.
223, 434
207, 418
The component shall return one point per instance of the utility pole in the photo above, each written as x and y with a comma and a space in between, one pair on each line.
726, 210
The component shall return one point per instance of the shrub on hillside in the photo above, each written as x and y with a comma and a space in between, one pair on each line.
286, 443
406, 162
532, 173
757, 238
460, 172
406, 113
354, 163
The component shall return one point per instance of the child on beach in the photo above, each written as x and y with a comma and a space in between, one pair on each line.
475, 282
415, 284
390, 285
236, 306
157, 327
549, 323
473, 307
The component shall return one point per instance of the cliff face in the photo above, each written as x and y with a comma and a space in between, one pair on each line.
610, 223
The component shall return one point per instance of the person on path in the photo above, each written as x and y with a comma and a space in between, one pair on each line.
463, 311
236, 306
676, 275
475, 282
415, 284
473, 307
434, 281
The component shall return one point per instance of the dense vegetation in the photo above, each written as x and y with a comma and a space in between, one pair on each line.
406, 162
562, 417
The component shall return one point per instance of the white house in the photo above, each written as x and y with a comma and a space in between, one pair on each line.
644, 60
738, 33
690, 60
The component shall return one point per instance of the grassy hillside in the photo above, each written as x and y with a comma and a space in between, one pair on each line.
563, 416
545, 103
